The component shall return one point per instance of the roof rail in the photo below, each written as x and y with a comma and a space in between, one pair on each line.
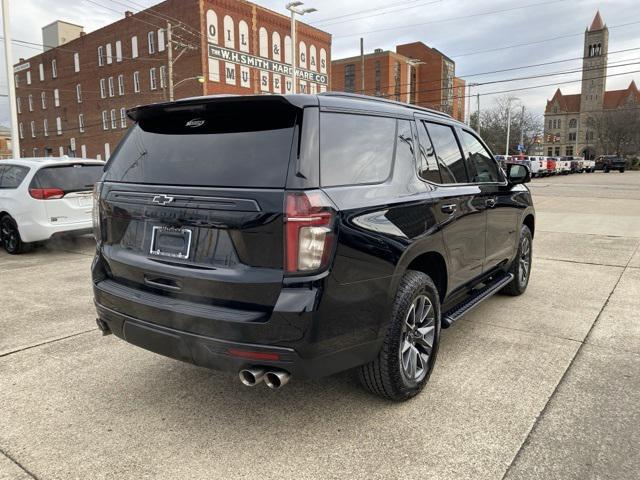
369, 98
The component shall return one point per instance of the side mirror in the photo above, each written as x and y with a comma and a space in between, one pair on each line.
518, 173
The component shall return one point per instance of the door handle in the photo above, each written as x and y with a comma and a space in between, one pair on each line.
449, 208
491, 202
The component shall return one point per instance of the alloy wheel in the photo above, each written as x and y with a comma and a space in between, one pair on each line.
416, 341
525, 260
9, 236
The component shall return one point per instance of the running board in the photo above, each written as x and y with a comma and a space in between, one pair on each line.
478, 296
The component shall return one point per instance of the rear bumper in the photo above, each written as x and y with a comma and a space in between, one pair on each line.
33, 231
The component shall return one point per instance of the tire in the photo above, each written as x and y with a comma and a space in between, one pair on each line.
622, 170
523, 257
10, 236
386, 376
606, 169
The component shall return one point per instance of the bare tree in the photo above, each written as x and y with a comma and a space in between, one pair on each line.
493, 126
618, 132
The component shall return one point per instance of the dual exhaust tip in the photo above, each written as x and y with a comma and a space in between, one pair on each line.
273, 378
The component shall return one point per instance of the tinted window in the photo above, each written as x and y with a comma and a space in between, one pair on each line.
405, 144
482, 167
448, 153
239, 145
427, 163
355, 149
11, 176
68, 178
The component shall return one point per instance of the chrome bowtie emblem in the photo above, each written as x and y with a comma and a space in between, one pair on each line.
195, 123
162, 199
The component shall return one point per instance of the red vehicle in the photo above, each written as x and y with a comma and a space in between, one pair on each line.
551, 164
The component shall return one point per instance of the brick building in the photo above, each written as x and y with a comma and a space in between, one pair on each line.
571, 121
414, 73
72, 98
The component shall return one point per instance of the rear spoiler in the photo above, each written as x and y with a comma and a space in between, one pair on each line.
206, 104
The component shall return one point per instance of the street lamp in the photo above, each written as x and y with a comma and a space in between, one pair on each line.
199, 78
293, 7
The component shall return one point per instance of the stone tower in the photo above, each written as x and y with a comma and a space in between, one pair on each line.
594, 65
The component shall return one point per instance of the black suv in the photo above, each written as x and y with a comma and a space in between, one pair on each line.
607, 163
304, 235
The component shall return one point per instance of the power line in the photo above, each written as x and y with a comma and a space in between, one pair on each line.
341, 19
451, 19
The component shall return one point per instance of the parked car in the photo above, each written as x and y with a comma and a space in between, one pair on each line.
304, 235
553, 168
43, 197
563, 165
607, 163
589, 165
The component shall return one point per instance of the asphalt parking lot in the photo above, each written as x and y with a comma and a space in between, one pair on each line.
546, 385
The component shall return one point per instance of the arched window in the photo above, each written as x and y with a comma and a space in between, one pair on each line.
573, 123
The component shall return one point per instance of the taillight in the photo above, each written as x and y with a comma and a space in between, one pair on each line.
95, 211
309, 221
46, 193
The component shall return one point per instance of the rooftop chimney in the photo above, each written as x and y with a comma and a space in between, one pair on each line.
128, 14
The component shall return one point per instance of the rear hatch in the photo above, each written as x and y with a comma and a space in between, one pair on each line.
192, 204
67, 190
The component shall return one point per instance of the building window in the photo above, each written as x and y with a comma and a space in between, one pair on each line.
396, 80
59, 125
54, 68
19, 105
107, 151
114, 120
121, 84
79, 93
28, 77
377, 78
118, 51
163, 76
31, 103
151, 42
41, 70
56, 97
76, 62
100, 56
33, 129
557, 151
109, 54
134, 47
572, 136
549, 151
20, 130
350, 78
83, 151
45, 128
161, 41
153, 80
573, 123
136, 82
103, 88
105, 120
16, 80
43, 100
569, 151
123, 118
72, 146
81, 123
111, 87
559, 123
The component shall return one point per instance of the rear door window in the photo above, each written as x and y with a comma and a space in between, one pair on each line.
481, 165
238, 145
427, 164
11, 176
448, 153
68, 178
355, 149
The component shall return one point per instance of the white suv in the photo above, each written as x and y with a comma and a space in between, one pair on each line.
42, 197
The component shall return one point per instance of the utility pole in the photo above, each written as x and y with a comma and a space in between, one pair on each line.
468, 105
522, 128
362, 65
170, 61
506, 153
292, 7
478, 109
15, 138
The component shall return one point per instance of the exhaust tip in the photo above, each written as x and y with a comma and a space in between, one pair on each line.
251, 376
276, 379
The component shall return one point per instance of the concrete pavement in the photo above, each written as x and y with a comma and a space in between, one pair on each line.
545, 385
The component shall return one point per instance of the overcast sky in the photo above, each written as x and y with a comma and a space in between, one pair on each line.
462, 29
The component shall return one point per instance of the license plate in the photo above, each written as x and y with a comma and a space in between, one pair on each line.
170, 242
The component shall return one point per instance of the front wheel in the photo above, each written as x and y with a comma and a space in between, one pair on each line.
622, 170
408, 354
10, 236
521, 265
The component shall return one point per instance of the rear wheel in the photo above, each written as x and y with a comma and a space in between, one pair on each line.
409, 351
622, 170
10, 236
521, 265
606, 169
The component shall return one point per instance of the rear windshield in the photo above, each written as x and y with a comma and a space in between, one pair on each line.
238, 147
68, 178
